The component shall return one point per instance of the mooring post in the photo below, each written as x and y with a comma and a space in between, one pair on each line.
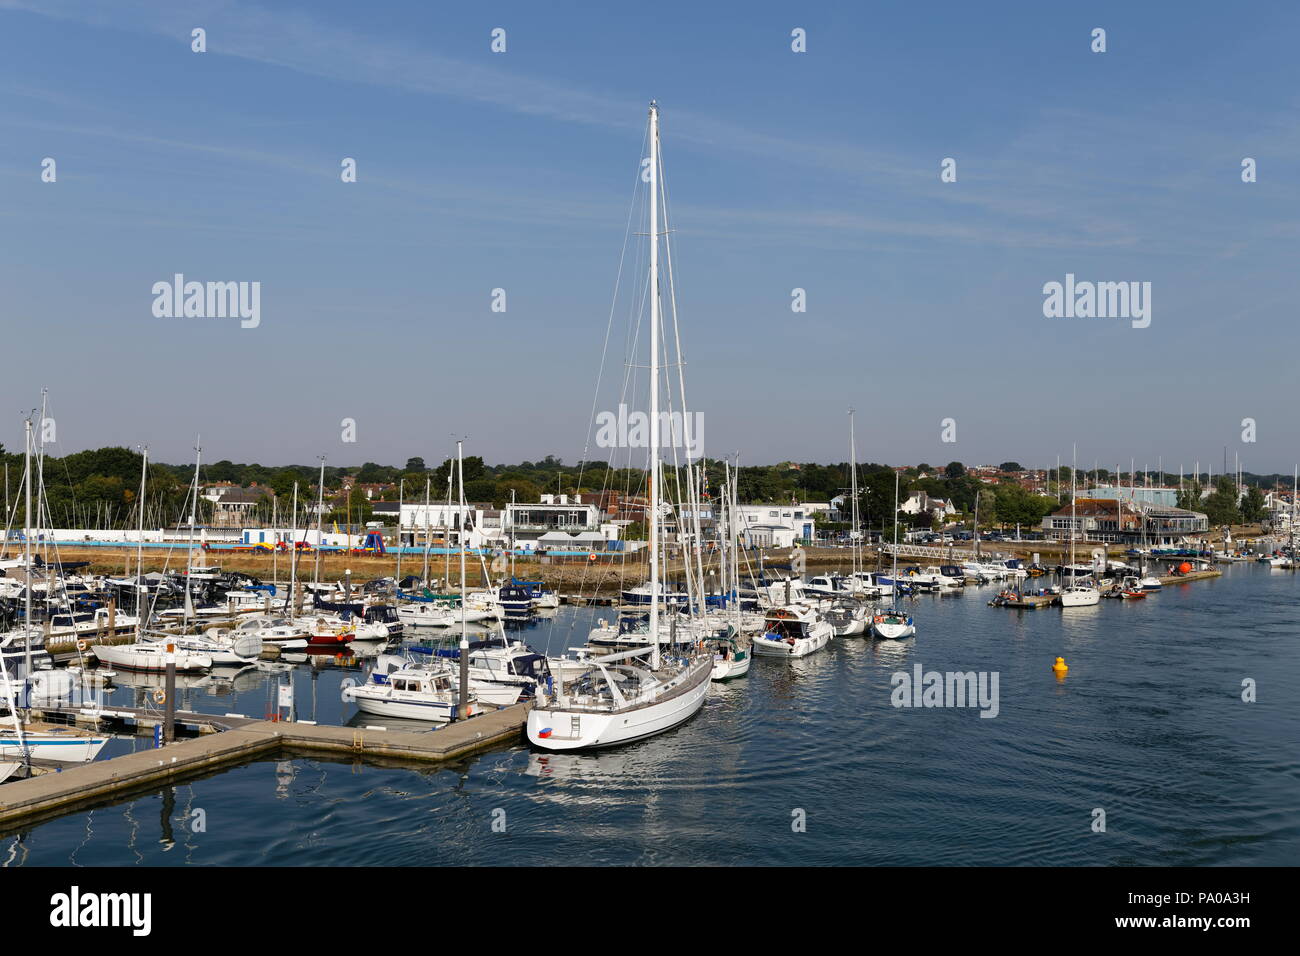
169, 692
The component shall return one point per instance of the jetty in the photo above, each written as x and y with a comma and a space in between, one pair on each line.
1026, 602
233, 740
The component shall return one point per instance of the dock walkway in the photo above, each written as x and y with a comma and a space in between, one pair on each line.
52, 794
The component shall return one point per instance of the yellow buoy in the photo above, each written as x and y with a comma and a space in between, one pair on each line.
1060, 667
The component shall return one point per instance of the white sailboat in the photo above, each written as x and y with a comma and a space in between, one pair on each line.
848, 615
1075, 594
633, 694
21, 738
891, 624
732, 655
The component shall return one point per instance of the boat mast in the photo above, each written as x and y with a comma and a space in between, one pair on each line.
733, 530
293, 555
1073, 515
446, 535
27, 548
1295, 485
853, 485
894, 573
139, 547
320, 516
401, 491
654, 384
189, 555
424, 571
463, 698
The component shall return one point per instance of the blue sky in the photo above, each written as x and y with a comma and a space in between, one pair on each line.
817, 170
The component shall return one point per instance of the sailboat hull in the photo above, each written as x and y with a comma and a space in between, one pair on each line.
59, 746
731, 667
577, 730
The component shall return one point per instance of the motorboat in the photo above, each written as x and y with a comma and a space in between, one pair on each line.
401, 688
1078, 595
891, 624
795, 630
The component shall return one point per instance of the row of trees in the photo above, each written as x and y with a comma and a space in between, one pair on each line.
98, 487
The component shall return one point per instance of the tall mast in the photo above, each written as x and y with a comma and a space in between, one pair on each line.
734, 531
654, 384
139, 546
189, 558
401, 492
293, 554
462, 698
40, 470
320, 516
27, 548
446, 535
853, 485
894, 573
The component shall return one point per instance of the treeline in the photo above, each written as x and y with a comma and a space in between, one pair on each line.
98, 488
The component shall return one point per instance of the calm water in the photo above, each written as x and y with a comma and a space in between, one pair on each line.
1149, 726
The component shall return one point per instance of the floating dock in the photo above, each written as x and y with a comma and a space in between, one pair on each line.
53, 794
1027, 602
1190, 576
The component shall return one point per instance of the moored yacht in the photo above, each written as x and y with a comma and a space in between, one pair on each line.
795, 630
400, 688
617, 699
891, 624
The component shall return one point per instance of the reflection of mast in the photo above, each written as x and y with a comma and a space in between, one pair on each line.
165, 817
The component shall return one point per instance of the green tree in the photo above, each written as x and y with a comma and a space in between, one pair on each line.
1221, 506
954, 469
1252, 507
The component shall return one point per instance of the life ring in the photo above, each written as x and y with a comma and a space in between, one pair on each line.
160, 697
82, 645
592, 556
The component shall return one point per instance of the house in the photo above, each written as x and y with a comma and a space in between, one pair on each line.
233, 506
767, 536
919, 501
526, 523
795, 519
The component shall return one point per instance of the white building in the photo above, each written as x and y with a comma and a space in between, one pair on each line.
919, 501
796, 520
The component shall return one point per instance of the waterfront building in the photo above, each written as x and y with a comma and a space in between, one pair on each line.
1119, 521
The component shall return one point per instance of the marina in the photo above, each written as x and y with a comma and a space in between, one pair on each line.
636, 438
826, 717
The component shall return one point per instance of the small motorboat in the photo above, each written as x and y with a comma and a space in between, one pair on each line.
891, 624
792, 631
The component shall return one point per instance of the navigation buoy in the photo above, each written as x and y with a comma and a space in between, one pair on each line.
1060, 667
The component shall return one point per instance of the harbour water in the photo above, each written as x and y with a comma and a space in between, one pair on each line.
807, 762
